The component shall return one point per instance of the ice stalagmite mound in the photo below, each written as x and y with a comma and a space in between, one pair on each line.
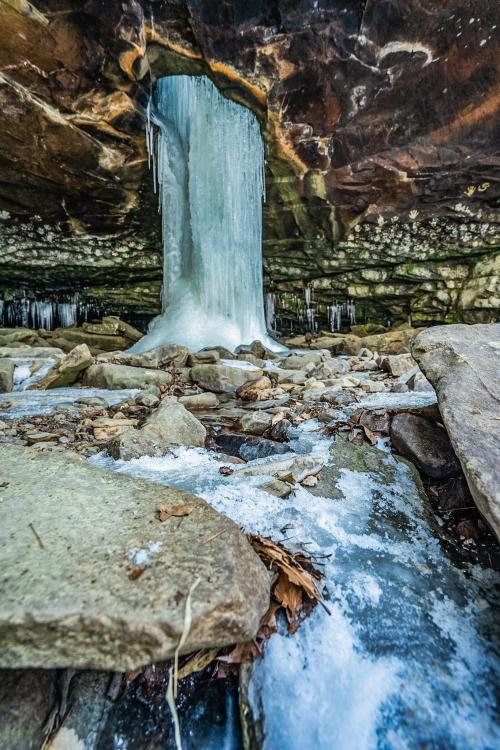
208, 164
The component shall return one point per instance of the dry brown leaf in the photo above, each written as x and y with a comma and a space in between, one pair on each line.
289, 596
197, 662
372, 436
136, 573
165, 511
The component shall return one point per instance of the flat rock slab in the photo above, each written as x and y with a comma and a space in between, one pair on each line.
91, 578
463, 364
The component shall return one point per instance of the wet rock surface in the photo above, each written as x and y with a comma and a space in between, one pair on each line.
95, 579
462, 363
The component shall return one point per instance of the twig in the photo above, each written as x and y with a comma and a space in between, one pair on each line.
214, 536
37, 536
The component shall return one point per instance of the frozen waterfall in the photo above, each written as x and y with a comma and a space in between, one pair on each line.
208, 165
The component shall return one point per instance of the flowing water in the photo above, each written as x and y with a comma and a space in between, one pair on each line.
208, 162
406, 659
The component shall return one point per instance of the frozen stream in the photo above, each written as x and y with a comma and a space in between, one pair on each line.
406, 659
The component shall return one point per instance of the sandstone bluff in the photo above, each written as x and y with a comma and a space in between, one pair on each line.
404, 219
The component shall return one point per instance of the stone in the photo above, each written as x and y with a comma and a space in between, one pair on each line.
111, 325
222, 378
247, 447
160, 356
418, 382
171, 424
96, 401
67, 370
7, 368
372, 386
462, 363
39, 437
116, 377
310, 481
424, 443
67, 338
283, 430
255, 390
256, 348
336, 397
392, 342
106, 429
365, 353
366, 365
297, 377
204, 357
31, 352
299, 362
26, 699
91, 579
331, 367
298, 468
145, 398
200, 401
256, 422
276, 487
397, 364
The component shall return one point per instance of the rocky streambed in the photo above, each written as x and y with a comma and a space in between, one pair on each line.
309, 448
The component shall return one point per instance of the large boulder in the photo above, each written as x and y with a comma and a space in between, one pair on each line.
171, 424
6, 375
92, 578
462, 363
223, 378
68, 369
424, 443
116, 377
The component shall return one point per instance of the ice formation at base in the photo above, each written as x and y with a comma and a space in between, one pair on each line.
208, 162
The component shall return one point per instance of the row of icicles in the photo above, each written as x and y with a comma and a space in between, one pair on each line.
26, 312
306, 313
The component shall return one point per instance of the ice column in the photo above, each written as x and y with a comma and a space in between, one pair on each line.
208, 161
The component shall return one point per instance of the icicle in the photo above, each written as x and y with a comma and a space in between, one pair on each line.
270, 303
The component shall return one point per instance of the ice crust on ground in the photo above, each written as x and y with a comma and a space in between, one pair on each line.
405, 659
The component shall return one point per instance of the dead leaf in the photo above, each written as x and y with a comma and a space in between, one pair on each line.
167, 511
289, 595
198, 661
136, 573
372, 436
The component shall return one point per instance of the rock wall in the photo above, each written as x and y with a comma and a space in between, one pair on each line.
379, 118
